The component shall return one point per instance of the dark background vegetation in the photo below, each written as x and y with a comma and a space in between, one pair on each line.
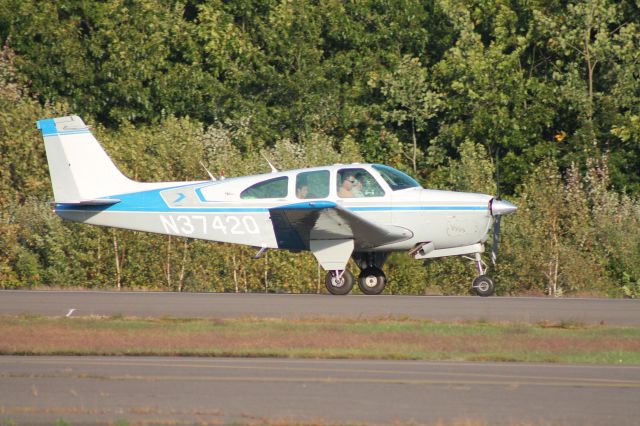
541, 96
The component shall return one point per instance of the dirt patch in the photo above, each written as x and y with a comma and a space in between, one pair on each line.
371, 339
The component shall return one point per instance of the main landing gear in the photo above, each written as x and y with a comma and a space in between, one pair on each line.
339, 282
371, 279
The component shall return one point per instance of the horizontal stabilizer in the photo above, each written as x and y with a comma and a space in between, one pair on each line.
95, 202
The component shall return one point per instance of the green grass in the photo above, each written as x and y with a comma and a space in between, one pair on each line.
321, 338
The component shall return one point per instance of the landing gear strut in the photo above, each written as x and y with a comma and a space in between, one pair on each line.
482, 285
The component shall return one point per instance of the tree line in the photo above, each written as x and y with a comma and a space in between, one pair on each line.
535, 99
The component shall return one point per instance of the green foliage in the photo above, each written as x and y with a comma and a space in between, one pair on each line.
472, 172
410, 100
405, 275
580, 235
630, 287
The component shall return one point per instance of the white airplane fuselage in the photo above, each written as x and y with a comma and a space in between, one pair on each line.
337, 212
213, 210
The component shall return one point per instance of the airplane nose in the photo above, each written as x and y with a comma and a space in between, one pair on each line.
500, 207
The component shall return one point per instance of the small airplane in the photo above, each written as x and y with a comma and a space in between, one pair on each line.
338, 212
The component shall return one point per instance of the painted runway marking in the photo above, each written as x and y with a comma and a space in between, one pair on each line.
470, 377
355, 380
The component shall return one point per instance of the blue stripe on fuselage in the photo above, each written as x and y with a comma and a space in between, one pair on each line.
152, 202
416, 208
124, 206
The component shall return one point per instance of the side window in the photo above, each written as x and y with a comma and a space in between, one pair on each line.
312, 184
273, 188
355, 183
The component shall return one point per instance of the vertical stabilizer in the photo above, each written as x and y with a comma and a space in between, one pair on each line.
80, 169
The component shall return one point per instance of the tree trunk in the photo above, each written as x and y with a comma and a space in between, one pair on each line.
266, 272
591, 66
235, 273
183, 266
167, 264
117, 260
415, 147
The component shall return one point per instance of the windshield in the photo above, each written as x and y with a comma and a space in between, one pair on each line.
395, 178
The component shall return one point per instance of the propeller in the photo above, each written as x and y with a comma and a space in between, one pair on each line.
496, 237
498, 208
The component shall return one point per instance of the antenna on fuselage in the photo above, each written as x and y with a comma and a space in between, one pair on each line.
207, 170
273, 169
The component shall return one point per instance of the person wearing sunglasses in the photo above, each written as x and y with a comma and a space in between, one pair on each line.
346, 188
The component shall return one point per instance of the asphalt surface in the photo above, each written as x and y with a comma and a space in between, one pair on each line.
439, 308
90, 390
137, 390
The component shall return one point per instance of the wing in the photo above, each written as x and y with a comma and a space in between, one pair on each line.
295, 225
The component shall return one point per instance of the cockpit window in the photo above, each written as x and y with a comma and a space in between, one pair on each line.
356, 182
395, 178
312, 184
272, 188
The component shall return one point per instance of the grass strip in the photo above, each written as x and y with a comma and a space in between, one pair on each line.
382, 338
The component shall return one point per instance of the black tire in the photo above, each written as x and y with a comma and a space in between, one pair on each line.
339, 287
372, 281
483, 286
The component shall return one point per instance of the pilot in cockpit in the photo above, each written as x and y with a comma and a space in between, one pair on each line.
348, 183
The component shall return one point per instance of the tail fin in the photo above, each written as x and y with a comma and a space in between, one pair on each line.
81, 171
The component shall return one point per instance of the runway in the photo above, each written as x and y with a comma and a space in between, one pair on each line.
229, 305
102, 390
214, 391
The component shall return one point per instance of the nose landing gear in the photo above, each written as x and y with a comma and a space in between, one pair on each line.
482, 285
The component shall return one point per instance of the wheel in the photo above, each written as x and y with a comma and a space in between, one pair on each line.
483, 286
340, 286
372, 280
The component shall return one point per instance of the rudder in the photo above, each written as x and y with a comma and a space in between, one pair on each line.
80, 169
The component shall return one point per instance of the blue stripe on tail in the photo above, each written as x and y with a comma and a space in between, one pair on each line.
48, 127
